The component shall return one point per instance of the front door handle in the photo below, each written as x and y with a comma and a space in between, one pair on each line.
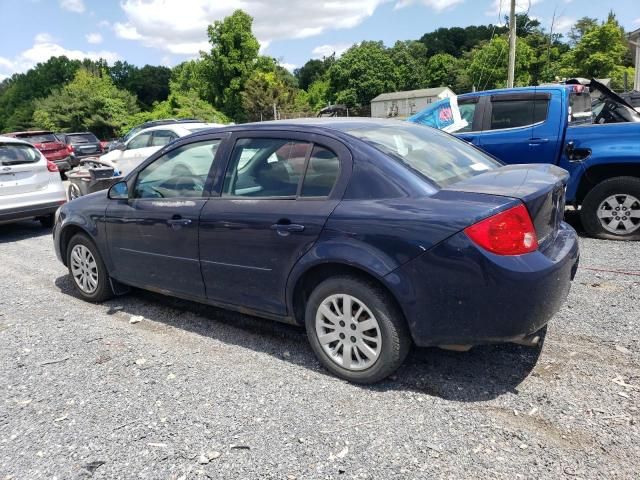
287, 228
537, 141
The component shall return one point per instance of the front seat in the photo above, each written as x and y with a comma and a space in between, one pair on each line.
275, 180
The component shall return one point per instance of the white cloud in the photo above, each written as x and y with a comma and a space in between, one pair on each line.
437, 5
45, 47
328, 50
563, 24
104, 24
94, 38
171, 26
76, 6
502, 7
288, 66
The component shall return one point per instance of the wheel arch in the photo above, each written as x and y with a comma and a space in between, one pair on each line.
66, 234
595, 174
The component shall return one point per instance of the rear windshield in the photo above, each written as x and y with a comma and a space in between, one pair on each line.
76, 138
39, 137
438, 156
14, 154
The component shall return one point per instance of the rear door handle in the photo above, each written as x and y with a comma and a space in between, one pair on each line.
537, 141
179, 222
287, 228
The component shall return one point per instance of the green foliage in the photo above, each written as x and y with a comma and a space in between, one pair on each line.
598, 52
313, 70
262, 91
582, 26
89, 102
363, 72
489, 63
410, 59
442, 70
229, 64
318, 94
149, 83
455, 41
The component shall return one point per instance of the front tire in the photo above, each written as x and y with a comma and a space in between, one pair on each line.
611, 210
88, 272
356, 330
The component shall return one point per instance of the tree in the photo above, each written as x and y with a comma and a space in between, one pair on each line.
89, 102
262, 91
442, 70
229, 64
363, 72
313, 70
318, 95
410, 59
581, 27
455, 41
598, 52
488, 67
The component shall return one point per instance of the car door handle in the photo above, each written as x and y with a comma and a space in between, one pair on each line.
182, 222
287, 227
537, 141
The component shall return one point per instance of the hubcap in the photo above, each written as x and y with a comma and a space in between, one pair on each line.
84, 269
74, 192
348, 332
620, 214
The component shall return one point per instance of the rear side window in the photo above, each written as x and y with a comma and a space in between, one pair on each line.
468, 113
78, 138
12, 154
517, 113
322, 173
161, 137
141, 141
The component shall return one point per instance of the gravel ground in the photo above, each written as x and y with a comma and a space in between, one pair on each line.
196, 392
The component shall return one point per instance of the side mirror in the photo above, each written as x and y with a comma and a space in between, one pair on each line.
118, 191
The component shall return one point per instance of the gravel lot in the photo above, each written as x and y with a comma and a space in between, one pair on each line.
196, 392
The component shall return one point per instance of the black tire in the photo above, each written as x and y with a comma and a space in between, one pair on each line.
47, 221
395, 338
597, 195
103, 290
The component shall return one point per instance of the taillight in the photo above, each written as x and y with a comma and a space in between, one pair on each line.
52, 167
508, 233
70, 149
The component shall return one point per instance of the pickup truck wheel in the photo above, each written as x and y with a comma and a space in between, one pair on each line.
611, 210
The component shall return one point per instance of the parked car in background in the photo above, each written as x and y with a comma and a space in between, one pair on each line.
47, 142
148, 141
81, 145
152, 123
373, 234
30, 184
586, 129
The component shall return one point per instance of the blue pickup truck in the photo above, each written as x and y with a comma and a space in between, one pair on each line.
583, 127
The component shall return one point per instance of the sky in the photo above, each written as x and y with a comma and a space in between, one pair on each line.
167, 32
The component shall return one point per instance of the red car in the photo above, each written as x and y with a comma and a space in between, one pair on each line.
49, 145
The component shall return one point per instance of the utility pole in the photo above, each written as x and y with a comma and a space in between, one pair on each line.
512, 45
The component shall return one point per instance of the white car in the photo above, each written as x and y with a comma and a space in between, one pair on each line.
30, 185
148, 141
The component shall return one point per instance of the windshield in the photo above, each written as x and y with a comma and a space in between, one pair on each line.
77, 138
16, 154
438, 156
130, 134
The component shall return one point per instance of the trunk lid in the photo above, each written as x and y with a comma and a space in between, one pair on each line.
22, 169
541, 187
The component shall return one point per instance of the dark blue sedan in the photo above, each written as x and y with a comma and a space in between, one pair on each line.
375, 235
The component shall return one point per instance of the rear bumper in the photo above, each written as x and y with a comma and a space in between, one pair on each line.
65, 163
29, 211
457, 293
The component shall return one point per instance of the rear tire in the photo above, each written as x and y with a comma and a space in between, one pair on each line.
611, 210
363, 345
47, 221
88, 272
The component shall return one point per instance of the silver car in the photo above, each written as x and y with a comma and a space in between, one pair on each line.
30, 185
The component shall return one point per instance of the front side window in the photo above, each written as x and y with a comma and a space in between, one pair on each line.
182, 172
438, 156
266, 167
517, 113
141, 141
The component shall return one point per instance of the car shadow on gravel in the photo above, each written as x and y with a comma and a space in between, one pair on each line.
14, 232
483, 373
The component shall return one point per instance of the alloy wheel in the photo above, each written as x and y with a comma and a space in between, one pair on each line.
84, 269
619, 214
348, 332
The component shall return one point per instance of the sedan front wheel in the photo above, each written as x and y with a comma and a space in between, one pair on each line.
356, 330
88, 272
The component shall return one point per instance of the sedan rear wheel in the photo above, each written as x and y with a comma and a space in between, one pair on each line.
355, 329
87, 270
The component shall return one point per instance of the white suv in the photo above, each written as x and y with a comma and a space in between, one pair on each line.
143, 144
30, 185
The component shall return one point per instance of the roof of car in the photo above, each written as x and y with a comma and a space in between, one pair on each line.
184, 126
5, 139
28, 132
